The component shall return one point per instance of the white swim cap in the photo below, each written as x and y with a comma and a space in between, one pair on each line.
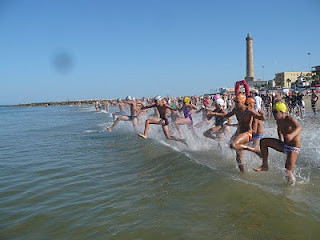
128, 98
219, 101
158, 98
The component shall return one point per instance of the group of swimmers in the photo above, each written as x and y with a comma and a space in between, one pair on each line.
171, 114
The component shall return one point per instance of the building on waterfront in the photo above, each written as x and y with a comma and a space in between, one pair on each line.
316, 70
262, 84
285, 79
226, 90
250, 66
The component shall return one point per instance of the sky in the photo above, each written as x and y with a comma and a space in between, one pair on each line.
76, 49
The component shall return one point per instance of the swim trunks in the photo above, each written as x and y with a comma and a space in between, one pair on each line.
166, 121
257, 135
220, 121
132, 117
287, 149
250, 135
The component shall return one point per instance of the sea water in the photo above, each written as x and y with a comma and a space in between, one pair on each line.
64, 176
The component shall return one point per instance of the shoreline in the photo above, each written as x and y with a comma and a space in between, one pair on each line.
59, 103
307, 101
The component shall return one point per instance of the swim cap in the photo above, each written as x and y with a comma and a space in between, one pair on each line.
157, 98
280, 106
219, 101
241, 98
207, 101
133, 99
186, 100
128, 98
217, 96
118, 99
250, 101
173, 106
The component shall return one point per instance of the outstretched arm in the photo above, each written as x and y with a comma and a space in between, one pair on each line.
200, 109
209, 109
193, 106
171, 108
141, 103
226, 115
151, 106
258, 115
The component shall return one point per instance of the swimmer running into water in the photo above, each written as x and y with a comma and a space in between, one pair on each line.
134, 108
257, 128
187, 108
289, 141
243, 134
204, 110
162, 107
121, 112
216, 131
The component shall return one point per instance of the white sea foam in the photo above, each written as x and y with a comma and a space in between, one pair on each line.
204, 151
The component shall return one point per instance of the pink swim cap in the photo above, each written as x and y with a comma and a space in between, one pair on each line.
217, 96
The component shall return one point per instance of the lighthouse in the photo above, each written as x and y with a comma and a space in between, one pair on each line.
250, 71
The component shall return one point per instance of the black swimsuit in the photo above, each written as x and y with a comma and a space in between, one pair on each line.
132, 117
220, 120
166, 121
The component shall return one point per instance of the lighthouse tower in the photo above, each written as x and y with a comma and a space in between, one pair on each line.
250, 72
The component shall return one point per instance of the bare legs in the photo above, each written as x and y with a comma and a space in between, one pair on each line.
157, 121
188, 122
215, 133
264, 144
124, 118
239, 142
115, 114
165, 128
277, 145
239, 159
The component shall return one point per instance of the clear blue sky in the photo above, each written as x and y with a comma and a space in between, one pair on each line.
59, 50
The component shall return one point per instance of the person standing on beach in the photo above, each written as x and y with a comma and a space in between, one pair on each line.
267, 100
289, 141
162, 107
257, 101
243, 134
314, 100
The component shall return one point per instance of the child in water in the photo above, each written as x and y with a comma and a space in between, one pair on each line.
289, 141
